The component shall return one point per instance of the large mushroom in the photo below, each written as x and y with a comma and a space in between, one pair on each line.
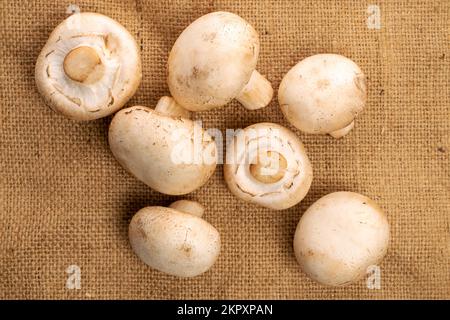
213, 61
323, 94
175, 240
89, 67
339, 237
163, 148
267, 165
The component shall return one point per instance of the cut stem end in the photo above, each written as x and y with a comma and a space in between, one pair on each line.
270, 167
83, 64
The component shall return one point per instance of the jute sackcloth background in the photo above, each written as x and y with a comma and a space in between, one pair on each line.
65, 200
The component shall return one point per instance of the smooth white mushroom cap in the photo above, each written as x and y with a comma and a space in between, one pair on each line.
89, 67
322, 93
339, 237
172, 155
212, 60
173, 241
278, 189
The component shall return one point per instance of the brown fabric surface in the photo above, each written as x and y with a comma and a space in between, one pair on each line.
65, 200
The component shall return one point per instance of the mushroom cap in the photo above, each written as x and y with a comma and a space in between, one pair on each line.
212, 60
118, 74
174, 242
339, 237
287, 190
159, 150
322, 93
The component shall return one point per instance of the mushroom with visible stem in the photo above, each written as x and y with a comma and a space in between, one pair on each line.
267, 165
339, 237
163, 148
175, 240
89, 67
323, 94
213, 61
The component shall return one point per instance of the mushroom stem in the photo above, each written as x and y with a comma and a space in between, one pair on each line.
191, 207
270, 167
257, 93
83, 64
168, 106
342, 132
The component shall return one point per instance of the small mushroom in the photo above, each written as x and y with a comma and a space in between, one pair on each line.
170, 153
89, 67
175, 240
323, 94
213, 61
339, 237
267, 165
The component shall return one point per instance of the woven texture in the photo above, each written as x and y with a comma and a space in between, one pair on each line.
65, 200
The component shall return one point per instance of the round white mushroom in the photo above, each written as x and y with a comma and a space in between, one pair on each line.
175, 240
89, 67
213, 61
323, 94
267, 165
339, 237
169, 153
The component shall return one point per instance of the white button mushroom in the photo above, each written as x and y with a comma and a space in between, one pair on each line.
169, 153
175, 240
267, 165
213, 61
339, 237
323, 94
89, 67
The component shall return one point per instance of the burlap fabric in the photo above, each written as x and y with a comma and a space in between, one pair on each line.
65, 200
